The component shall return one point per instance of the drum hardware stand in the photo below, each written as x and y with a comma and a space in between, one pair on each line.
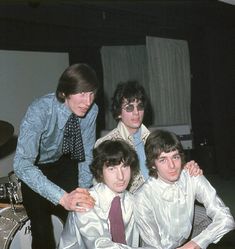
10, 190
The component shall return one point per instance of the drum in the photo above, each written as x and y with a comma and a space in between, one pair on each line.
15, 232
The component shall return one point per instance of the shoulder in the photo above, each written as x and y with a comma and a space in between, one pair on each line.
42, 106
99, 192
43, 100
112, 135
195, 183
146, 188
144, 130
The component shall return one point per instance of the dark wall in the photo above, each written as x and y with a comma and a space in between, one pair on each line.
82, 29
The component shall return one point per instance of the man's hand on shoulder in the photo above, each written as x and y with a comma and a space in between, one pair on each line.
193, 168
77, 200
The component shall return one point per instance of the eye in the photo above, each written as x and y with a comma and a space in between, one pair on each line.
140, 107
128, 108
162, 160
177, 157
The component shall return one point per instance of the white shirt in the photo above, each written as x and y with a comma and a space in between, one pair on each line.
90, 230
164, 212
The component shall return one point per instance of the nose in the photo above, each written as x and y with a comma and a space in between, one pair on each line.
88, 99
171, 164
120, 174
135, 111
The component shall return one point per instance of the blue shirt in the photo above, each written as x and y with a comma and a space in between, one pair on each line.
41, 133
139, 146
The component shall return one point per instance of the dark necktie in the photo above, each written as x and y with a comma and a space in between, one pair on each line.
72, 143
117, 228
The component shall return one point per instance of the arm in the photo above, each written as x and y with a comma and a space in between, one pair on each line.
88, 129
146, 223
222, 220
38, 121
28, 146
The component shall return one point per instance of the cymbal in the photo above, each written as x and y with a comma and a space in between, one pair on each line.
6, 132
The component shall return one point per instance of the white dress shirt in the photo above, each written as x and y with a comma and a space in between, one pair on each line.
164, 212
90, 230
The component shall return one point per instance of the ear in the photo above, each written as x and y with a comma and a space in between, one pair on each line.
63, 96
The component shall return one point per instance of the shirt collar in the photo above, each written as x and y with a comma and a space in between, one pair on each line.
63, 114
106, 196
143, 131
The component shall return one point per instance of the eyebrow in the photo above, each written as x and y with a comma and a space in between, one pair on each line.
174, 154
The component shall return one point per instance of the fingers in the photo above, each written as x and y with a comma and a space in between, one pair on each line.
193, 168
82, 198
77, 200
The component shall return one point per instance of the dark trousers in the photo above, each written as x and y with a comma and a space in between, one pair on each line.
63, 173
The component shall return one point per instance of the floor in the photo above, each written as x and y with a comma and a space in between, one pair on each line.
225, 189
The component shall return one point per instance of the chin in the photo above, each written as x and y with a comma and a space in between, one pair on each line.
120, 190
81, 114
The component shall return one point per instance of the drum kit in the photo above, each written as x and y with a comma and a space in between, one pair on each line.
15, 230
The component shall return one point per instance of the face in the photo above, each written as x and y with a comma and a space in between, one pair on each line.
117, 177
80, 103
169, 166
132, 115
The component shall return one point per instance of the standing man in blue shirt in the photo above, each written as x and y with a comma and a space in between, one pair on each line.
54, 151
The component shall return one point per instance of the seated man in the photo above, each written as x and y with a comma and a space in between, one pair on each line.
164, 205
114, 166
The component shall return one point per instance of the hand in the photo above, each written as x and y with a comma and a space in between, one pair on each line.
193, 168
77, 200
190, 245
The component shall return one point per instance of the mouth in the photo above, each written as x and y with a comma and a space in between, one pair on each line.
82, 109
120, 185
173, 173
136, 122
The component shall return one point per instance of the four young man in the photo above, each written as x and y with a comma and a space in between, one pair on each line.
45, 148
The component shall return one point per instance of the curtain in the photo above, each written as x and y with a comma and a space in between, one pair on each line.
169, 75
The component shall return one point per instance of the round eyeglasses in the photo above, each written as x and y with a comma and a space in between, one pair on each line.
131, 107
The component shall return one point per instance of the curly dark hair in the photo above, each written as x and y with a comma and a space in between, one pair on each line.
113, 152
131, 91
161, 141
